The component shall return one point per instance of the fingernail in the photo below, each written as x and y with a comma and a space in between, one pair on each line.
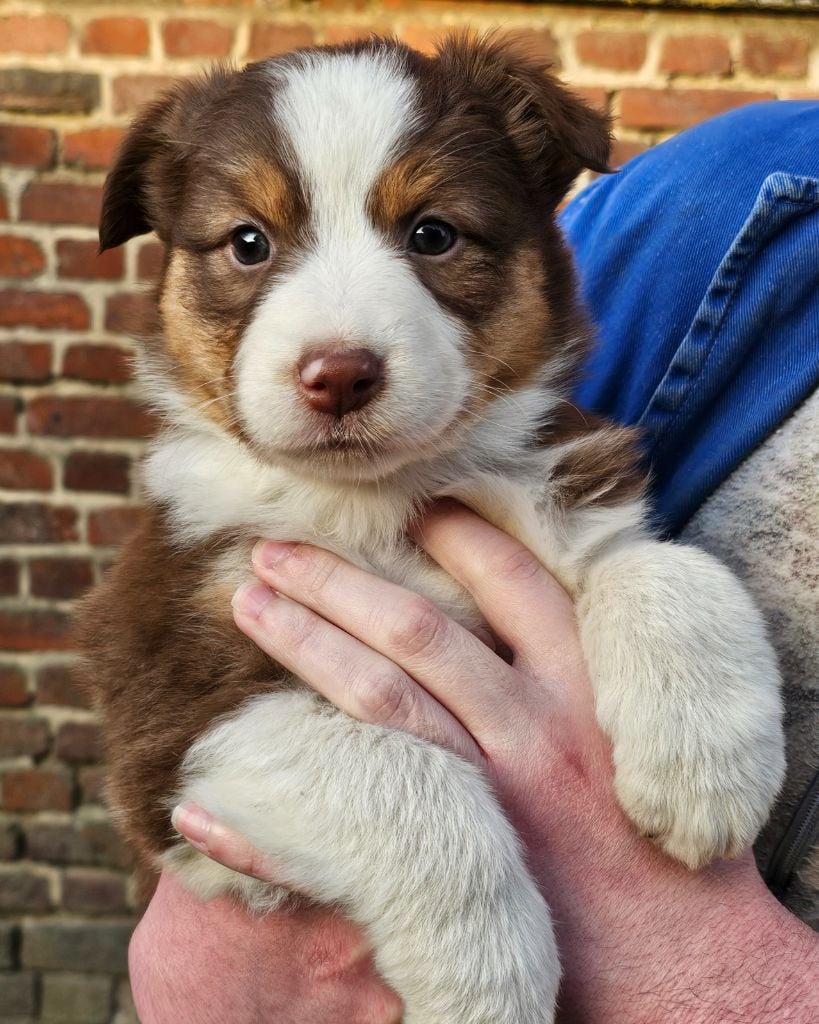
251, 599
268, 553
194, 823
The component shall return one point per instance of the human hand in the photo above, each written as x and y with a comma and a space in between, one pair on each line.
637, 931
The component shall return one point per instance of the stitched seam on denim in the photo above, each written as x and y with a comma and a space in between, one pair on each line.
776, 189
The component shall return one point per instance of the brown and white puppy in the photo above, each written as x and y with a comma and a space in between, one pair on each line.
367, 304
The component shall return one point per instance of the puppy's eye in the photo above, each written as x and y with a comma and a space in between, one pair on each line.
249, 245
433, 238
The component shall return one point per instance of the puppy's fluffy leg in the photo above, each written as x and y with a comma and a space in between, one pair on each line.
406, 837
688, 690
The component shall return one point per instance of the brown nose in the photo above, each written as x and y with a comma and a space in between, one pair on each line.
338, 381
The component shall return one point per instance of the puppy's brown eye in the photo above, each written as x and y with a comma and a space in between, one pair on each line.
433, 238
249, 245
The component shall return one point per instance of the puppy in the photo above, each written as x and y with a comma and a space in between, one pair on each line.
367, 304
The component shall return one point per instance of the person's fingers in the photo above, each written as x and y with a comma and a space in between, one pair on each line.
523, 603
358, 680
446, 659
222, 844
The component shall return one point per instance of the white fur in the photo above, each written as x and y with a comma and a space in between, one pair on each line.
344, 118
406, 837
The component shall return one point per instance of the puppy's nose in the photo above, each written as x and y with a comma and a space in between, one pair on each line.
337, 381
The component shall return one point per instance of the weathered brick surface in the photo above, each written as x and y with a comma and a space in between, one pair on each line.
104, 364
21, 470
97, 471
37, 523
23, 891
28, 362
88, 417
70, 946
43, 310
36, 790
25, 145
72, 430
90, 844
77, 998
23, 735
82, 260
31, 91
57, 684
60, 578
196, 37
18, 994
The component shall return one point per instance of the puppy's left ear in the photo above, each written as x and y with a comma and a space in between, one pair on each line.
555, 133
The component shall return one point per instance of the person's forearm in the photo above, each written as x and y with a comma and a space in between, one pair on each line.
710, 948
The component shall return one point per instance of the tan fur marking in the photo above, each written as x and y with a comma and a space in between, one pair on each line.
511, 347
203, 353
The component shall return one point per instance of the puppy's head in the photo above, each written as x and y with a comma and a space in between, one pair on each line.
361, 249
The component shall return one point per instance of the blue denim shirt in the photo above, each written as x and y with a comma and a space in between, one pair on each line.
700, 264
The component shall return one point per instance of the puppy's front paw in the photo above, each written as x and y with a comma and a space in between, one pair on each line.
696, 805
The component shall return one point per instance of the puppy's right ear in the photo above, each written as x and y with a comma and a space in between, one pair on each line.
126, 200
145, 184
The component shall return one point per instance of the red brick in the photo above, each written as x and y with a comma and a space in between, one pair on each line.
133, 91
61, 203
36, 790
24, 471
696, 55
13, 690
92, 843
82, 261
79, 743
9, 406
20, 257
23, 145
267, 39
46, 34
43, 310
4, 207
60, 579
595, 96
92, 148
619, 51
542, 45
23, 736
785, 57
105, 364
28, 361
35, 630
122, 37
624, 150
95, 893
9, 580
57, 684
192, 37
32, 522
150, 261
97, 471
417, 36
128, 313
667, 108
112, 525
24, 892
87, 417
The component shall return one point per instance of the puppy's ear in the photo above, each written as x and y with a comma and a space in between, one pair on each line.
555, 132
147, 180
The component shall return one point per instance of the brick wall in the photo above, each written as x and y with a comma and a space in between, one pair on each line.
71, 75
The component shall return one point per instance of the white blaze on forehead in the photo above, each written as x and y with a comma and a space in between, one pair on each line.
344, 116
